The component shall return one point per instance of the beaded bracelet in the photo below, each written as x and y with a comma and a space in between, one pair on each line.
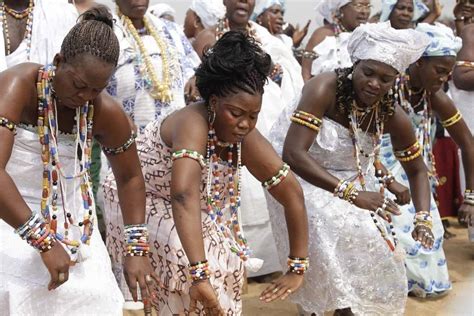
346, 190
136, 240
199, 271
277, 74
37, 233
4, 122
410, 153
278, 178
387, 179
306, 119
122, 148
469, 197
192, 154
298, 265
463, 63
306, 54
423, 218
452, 120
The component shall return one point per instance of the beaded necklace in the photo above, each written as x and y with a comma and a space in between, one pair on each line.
159, 90
354, 123
28, 12
223, 27
216, 203
54, 176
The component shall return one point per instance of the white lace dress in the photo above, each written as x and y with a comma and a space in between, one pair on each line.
350, 263
91, 288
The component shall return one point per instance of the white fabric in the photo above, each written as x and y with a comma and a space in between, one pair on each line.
381, 42
332, 53
350, 263
288, 41
255, 215
209, 11
52, 20
328, 8
161, 9
464, 101
419, 9
443, 42
91, 288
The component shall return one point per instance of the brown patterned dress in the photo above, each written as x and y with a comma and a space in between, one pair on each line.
168, 256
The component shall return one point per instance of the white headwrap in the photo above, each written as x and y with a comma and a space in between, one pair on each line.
329, 8
381, 42
209, 11
262, 5
162, 8
419, 9
443, 42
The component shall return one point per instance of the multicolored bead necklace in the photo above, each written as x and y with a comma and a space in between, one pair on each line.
223, 27
216, 202
28, 12
159, 90
53, 174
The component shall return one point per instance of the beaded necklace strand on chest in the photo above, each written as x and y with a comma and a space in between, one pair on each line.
54, 176
27, 13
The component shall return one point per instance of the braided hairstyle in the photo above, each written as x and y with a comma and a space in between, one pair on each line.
93, 34
235, 63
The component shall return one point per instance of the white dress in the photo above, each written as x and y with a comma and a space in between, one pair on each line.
350, 263
91, 288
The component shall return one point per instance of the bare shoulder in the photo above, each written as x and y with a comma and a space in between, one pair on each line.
204, 39
319, 35
322, 85
467, 34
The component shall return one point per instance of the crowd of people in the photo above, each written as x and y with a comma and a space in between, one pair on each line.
146, 159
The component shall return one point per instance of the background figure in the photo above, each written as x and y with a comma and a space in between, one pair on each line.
82, 5
202, 14
36, 33
163, 11
404, 14
463, 14
327, 47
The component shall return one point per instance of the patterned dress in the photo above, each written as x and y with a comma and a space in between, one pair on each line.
169, 259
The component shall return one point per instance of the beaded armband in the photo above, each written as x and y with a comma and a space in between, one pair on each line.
469, 197
4, 122
37, 233
423, 218
136, 240
199, 271
278, 178
463, 63
120, 149
298, 265
452, 120
347, 191
305, 54
410, 153
277, 74
192, 154
306, 119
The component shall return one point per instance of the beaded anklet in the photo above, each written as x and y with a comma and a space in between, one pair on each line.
4, 122
410, 153
306, 119
199, 271
278, 178
122, 148
298, 265
192, 154
37, 233
452, 120
136, 240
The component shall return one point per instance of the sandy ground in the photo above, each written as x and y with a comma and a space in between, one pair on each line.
458, 302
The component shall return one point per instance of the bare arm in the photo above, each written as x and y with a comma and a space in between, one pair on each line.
317, 37
204, 40
463, 76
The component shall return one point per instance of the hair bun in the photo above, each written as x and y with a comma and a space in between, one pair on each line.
99, 13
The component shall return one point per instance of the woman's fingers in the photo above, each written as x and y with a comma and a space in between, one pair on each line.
267, 293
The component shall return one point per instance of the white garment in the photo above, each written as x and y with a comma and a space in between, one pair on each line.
52, 20
332, 53
255, 215
91, 288
350, 263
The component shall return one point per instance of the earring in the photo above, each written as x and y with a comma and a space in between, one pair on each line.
349, 76
212, 115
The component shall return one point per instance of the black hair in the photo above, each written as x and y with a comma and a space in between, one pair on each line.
93, 34
235, 63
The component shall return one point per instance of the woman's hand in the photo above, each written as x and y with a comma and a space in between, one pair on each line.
137, 269
466, 214
203, 292
282, 287
401, 192
57, 262
424, 235
299, 35
191, 92
373, 201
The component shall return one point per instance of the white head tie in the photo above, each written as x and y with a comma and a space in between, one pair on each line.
262, 5
209, 11
162, 8
419, 9
381, 42
328, 8
443, 42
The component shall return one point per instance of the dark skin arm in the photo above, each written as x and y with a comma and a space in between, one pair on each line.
316, 38
263, 162
444, 108
205, 39
463, 76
